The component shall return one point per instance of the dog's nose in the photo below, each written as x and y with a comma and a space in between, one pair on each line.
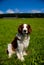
24, 30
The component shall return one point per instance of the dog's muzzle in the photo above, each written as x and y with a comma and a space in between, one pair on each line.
24, 31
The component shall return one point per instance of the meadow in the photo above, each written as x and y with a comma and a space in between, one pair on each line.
8, 30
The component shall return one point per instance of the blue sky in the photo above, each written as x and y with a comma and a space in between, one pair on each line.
21, 6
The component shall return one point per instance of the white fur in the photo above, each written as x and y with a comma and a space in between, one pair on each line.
25, 28
10, 50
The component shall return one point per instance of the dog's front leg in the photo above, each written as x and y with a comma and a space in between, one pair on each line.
20, 51
20, 55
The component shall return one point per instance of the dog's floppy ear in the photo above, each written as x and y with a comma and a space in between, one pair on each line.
29, 29
20, 28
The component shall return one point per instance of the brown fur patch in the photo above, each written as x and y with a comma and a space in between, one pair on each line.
20, 28
14, 44
29, 29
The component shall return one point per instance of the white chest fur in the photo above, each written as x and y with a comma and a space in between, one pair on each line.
23, 42
26, 42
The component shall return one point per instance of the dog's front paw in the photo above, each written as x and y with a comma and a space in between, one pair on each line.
18, 55
22, 59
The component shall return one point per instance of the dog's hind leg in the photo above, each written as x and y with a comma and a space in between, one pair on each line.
9, 50
9, 54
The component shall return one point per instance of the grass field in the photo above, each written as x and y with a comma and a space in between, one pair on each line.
8, 30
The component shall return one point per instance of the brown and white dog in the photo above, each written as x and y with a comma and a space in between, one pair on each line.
20, 42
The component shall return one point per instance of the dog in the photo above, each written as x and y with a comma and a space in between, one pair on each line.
20, 42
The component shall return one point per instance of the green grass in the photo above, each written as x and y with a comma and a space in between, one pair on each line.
8, 30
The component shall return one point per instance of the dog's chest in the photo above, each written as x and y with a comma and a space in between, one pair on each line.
23, 42
26, 42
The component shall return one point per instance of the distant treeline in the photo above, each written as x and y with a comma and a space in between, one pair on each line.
23, 15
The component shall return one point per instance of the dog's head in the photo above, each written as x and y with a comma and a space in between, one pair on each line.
24, 29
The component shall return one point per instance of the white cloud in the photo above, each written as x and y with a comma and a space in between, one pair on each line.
35, 11
1, 12
17, 10
22, 11
9, 11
